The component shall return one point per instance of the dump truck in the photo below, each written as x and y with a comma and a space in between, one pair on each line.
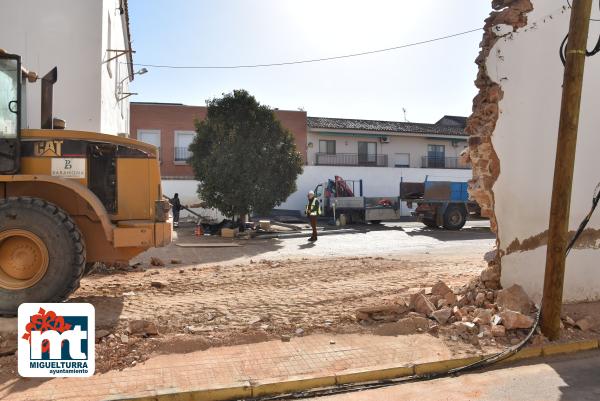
439, 203
68, 198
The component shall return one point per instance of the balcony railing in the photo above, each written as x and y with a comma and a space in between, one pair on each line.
352, 159
182, 154
444, 162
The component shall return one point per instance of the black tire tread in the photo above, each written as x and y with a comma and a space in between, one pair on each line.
64, 220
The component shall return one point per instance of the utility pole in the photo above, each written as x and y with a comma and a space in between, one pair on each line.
563, 168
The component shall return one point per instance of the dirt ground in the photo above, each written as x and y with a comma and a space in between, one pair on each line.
266, 289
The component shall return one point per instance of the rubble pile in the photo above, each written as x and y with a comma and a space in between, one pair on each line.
479, 313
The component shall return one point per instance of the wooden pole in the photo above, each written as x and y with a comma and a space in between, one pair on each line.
563, 168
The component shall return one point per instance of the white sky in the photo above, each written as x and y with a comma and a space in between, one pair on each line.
429, 81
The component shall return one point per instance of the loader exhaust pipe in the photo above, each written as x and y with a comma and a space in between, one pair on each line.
48, 82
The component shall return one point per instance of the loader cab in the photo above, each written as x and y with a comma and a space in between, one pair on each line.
10, 112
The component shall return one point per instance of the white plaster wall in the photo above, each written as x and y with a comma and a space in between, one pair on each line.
69, 34
63, 33
114, 112
529, 70
416, 146
377, 181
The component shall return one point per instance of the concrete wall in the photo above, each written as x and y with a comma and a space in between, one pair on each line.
416, 146
526, 66
68, 34
376, 182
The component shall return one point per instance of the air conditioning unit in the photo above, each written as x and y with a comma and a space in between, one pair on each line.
384, 139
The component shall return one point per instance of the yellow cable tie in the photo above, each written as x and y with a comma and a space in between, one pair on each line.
575, 51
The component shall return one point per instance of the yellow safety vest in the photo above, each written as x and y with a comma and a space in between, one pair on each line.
313, 209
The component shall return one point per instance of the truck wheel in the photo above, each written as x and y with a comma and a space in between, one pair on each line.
42, 253
430, 223
455, 218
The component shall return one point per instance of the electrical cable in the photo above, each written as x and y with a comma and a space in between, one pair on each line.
588, 53
485, 362
315, 60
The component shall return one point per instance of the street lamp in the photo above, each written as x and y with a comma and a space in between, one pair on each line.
125, 95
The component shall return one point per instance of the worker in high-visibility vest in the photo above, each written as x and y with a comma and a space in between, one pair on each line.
313, 210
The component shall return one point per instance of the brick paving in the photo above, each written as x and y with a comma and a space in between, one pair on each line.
311, 356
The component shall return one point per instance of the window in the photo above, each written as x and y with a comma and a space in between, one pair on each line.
402, 160
183, 140
9, 97
367, 152
436, 156
150, 136
327, 147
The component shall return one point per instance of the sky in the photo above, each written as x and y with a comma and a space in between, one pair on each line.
428, 81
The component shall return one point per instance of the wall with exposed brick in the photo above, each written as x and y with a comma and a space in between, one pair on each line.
169, 118
513, 131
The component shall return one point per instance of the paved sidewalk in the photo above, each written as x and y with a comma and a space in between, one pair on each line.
564, 378
242, 365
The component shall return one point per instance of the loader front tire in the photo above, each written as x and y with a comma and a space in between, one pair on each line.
42, 253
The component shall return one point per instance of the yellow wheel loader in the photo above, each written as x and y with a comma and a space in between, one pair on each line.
68, 198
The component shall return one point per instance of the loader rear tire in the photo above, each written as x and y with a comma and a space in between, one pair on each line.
42, 253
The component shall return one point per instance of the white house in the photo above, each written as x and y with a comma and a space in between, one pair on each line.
369, 143
520, 80
90, 43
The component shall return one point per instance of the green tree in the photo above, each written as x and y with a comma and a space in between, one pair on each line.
243, 157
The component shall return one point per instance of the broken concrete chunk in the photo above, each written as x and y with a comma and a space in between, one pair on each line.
285, 338
480, 299
482, 317
101, 334
440, 289
490, 274
450, 298
158, 284
154, 261
142, 328
584, 324
441, 303
385, 313
442, 315
408, 325
515, 320
498, 331
515, 299
569, 321
422, 305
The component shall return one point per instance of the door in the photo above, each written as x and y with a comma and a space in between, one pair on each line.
10, 112
367, 153
436, 156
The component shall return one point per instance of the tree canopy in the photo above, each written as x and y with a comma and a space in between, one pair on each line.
244, 159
